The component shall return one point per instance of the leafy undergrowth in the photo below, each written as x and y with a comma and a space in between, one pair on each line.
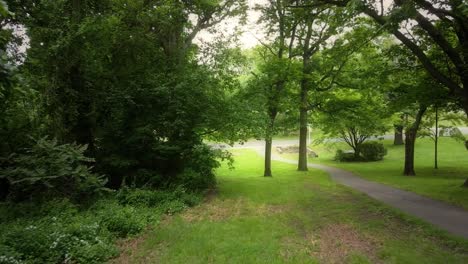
442, 184
61, 232
294, 217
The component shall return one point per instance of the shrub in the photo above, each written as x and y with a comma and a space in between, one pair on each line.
373, 151
198, 173
124, 221
53, 169
56, 240
155, 198
191, 199
141, 197
344, 156
196, 181
172, 207
62, 232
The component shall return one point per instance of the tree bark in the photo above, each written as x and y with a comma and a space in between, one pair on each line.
398, 138
268, 145
410, 140
302, 166
436, 139
272, 113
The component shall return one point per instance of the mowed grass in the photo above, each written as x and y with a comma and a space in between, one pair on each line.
441, 184
294, 217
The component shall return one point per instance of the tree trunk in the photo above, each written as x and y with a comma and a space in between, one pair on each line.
410, 140
268, 145
398, 139
302, 166
357, 154
466, 184
272, 113
436, 139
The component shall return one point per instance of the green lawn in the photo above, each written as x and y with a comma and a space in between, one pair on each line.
294, 217
442, 184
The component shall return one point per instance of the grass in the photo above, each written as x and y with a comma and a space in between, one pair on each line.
294, 217
441, 184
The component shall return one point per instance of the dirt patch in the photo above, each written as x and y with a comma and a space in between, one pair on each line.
337, 242
304, 244
211, 194
220, 210
128, 247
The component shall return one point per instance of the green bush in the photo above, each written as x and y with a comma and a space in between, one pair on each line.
201, 161
191, 199
56, 240
155, 198
196, 181
373, 151
344, 156
141, 197
124, 221
52, 169
59, 231
172, 207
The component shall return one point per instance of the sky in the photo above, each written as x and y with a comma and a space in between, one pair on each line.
252, 32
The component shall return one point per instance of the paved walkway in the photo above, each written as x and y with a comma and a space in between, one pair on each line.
448, 217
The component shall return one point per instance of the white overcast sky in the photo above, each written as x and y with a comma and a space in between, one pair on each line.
252, 32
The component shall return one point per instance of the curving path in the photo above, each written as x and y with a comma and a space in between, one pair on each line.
445, 216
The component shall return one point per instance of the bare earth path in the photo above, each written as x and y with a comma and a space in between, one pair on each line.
445, 216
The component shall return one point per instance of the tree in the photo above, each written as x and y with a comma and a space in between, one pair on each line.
311, 31
354, 117
410, 94
126, 79
279, 26
445, 30
432, 128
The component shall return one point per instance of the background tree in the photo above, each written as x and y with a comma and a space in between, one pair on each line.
101, 65
280, 28
312, 30
354, 117
445, 30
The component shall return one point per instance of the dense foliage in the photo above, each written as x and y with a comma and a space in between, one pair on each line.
106, 106
59, 231
373, 151
48, 169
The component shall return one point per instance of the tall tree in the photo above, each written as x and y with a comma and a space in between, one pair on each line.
124, 77
445, 28
279, 27
313, 27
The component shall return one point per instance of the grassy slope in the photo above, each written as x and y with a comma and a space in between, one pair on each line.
292, 218
442, 184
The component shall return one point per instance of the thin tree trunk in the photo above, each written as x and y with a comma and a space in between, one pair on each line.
302, 166
466, 184
436, 139
410, 140
398, 139
272, 113
268, 145
357, 154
